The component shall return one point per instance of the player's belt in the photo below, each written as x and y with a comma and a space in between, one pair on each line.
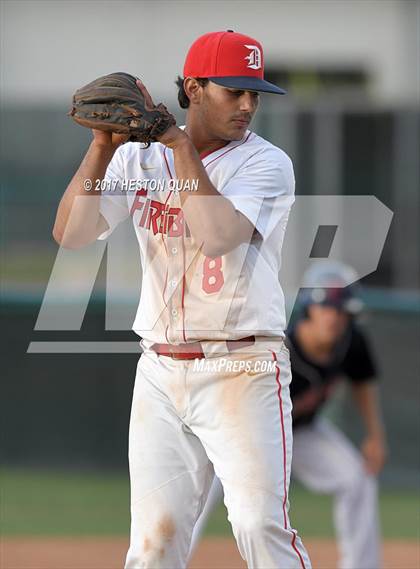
195, 350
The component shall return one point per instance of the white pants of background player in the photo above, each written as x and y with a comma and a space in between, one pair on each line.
326, 462
182, 423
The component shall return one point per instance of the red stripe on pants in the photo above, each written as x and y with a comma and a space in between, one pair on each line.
283, 434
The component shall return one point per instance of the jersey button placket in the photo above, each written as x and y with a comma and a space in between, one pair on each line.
174, 291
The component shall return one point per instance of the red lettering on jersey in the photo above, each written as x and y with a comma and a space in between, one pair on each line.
155, 217
137, 203
175, 222
160, 217
142, 222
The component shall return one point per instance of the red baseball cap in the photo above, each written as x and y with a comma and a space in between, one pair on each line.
231, 60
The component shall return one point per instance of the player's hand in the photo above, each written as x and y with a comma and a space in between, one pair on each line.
108, 140
374, 452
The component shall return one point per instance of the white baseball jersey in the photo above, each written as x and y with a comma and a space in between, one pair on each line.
185, 295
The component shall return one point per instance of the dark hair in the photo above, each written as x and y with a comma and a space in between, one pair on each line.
183, 100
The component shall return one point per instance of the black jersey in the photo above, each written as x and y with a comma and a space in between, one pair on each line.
312, 383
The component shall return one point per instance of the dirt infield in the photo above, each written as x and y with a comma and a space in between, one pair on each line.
215, 553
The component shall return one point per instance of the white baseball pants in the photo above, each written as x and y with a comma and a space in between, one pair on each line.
326, 462
184, 423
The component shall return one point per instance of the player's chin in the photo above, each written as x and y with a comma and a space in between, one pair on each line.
331, 337
237, 130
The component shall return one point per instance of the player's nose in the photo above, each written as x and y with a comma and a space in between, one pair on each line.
248, 102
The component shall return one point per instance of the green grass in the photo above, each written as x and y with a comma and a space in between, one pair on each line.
399, 513
43, 503
28, 266
50, 503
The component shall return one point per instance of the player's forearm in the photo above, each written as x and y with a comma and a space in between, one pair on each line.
211, 218
366, 398
77, 219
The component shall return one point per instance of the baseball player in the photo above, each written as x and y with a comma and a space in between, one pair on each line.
326, 344
210, 295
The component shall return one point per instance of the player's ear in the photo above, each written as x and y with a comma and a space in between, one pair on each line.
193, 89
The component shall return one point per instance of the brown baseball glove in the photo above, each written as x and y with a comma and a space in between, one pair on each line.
115, 103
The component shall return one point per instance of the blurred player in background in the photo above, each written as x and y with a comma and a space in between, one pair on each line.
325, 345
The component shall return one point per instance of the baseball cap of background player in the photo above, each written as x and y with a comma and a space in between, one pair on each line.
231, 60
332, 284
